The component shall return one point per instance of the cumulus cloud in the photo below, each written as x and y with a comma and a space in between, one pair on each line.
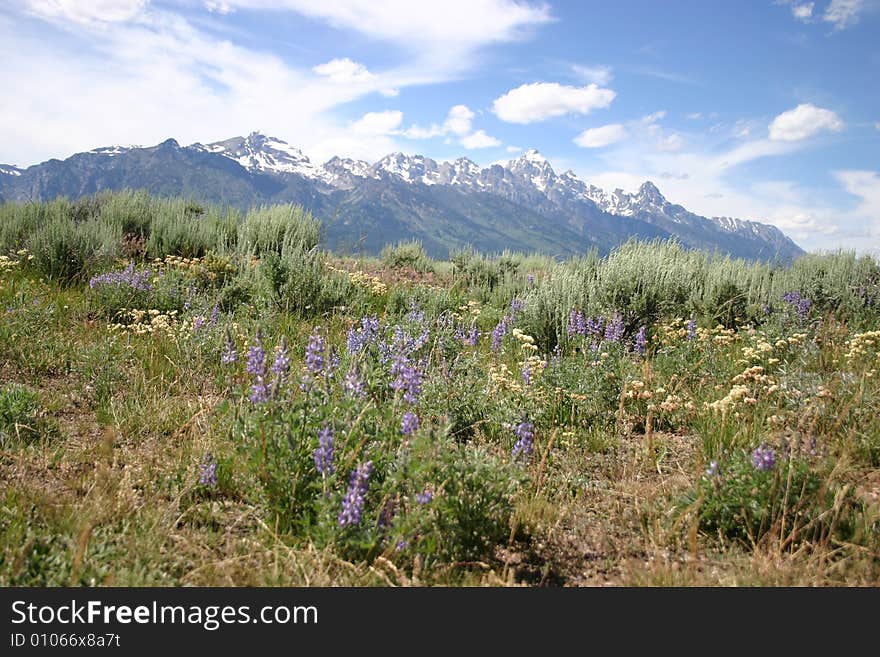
513, 149
378, 123
843, 13
602, 136
803, 121
458, 122
479, 139
672, 142
544, 100
344, 71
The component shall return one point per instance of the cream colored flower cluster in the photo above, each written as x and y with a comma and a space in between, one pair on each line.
362, 279
144, 322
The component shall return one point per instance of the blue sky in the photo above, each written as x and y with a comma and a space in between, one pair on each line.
759, 109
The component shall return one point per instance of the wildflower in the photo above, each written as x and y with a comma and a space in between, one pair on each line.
614, 329
415, 313
230, 354
763, 458
198, 323
712, 470
576, 323
359, 338
208, 470
530, 279
516, 307
801, 304
259, 390
281, 364
641, 341
692, 328
353, 502
315, 354
498, 334
353, 384
424, 497
324, 452
410, 423
408, 378
139, 281
256, 356
215, 315
525, 445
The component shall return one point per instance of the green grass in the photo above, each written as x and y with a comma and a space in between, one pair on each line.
133, 453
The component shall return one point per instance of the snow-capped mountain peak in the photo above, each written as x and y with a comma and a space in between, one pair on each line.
9, 170
258, 152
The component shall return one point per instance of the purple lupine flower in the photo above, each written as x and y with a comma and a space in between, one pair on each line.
140, 281
410, 423
359, 338
415, 313
408, 378
530, 279
324, 452
472, 336
259, 390
208, 470
215, 315
401, 545
498, 334
198, 323
763, 458
281, 364
354, 385
353, 502
333, 361
767, 308
712, 470
516, 307
692, 328
576, 325
256, 362
595, 327
800, 303
315, 354
425, 497
527, 375
230, 353
525, 445
614, 329
641, 341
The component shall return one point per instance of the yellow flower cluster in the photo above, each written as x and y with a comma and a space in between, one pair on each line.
863, 346
671, 402
472, 307
7, 263
143, 322
362, 279
671, 332
208, 268
500, 376
725, 404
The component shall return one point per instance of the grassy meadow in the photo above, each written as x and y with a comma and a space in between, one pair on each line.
190, 395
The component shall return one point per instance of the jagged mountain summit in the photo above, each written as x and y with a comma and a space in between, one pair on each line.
523, 204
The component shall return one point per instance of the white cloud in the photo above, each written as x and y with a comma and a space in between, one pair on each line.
877, 125
803, 121
390, 92
602, 136
479, 139
378, 123
92, 11
344, 71
866, 186
600, 75
458, 122
543, 100
694, 116
513, 149
803, 12
843, 13
653, 118
436, 31
672, 142
218, 7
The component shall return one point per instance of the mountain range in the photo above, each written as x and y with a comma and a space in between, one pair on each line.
523, 205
